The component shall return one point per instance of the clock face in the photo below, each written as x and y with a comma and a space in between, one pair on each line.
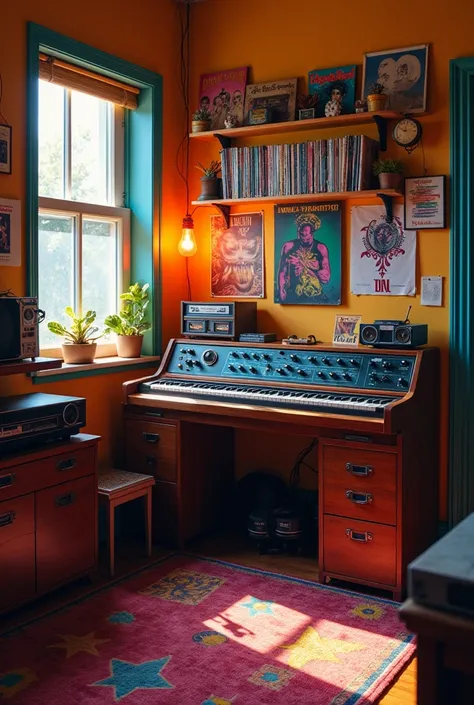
407, 132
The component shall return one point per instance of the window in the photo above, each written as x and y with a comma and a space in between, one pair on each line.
83, 227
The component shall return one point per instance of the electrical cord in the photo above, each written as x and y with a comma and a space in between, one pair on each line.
300, 460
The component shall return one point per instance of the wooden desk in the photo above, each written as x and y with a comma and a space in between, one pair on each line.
445, 644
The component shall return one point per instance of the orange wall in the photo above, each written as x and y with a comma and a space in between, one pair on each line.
279, 39
147, 34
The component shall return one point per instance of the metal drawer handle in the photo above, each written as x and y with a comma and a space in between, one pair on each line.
66, 464
151, 437
360, 536
359, 497
65, 500
7, 480
7, 518
359, 469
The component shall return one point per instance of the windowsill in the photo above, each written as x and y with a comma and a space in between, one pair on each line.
101, 365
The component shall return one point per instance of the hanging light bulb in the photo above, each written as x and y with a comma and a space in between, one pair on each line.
187, 245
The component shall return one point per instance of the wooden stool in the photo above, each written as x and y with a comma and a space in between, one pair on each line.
117, 487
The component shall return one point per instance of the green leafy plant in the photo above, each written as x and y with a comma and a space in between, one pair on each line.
387, 166
81, 330
201, 114
131, 319
211, 171
376, 89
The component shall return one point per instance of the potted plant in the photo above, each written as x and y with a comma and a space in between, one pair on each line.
389, 172
79, 344
376, 98
201, 120
130, 323
210, 182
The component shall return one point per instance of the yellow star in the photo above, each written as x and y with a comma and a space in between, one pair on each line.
312, 647
74, 644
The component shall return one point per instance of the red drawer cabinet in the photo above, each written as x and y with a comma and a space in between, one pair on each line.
48, 518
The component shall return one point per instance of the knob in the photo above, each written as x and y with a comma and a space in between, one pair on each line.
255, 356
280, 371
334, 375
241, 368
402, 382
294, 358
246, 355
386, 365
182, 351
385, 378
288, 367
232, 368
234, 354
189, 362
353, 362
326, 361
253, 370
180, 366
347, 376
266, 356
268, 368
196, 363
190, 351
312, 359
321, 374
301, 372
340, 361
374, 377
404, 363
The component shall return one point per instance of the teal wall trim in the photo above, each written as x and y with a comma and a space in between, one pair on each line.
461, 341
75, 374
143, 161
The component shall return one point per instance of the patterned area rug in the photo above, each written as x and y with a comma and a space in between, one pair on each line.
190, 631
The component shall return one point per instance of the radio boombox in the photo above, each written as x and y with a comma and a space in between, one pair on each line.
393, 334
19, 318
212, 320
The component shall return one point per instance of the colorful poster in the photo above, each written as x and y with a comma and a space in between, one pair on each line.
308, 253
425, 206
223, 93
403, 73
383, 254
336, 84
346, 330
10, 232
237, 260
279, 97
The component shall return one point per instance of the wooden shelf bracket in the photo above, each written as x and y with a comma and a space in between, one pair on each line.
381, 123
225, 141
224, 211
388, 203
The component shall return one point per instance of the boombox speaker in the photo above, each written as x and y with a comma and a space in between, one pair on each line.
393, 334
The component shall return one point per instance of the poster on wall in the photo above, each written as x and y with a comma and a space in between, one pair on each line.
308, 253
237, 257
425, 206
336, 84
383, 254
278, 97
222, 94
10, 232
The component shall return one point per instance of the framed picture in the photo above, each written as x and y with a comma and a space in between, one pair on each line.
279, 97
10, 233
425, 202
237, 260
222, 93
5, 149
403, 73
346, 330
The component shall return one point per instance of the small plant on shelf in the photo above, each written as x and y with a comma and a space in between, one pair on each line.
130, 324
79, 344
201, 120
389, 172
376, 97
210, 182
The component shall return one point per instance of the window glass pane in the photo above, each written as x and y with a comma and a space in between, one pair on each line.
51, 140
90, 129
56, 272
99, 268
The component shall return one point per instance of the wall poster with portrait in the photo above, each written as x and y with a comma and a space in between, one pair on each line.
308, 254
237, 256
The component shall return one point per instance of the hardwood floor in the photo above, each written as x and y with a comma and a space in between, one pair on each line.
130, 558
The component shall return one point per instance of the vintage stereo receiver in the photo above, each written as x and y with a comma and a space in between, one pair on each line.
212, 320
393, 334
30, 419
19, 318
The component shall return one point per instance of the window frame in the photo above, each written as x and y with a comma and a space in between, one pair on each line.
143, 162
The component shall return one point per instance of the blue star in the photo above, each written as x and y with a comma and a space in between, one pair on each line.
255, 606
121, 618
127, 677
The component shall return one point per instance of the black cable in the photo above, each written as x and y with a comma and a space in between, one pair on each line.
190, 298
300, 460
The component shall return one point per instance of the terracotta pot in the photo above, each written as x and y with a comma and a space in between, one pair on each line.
129, 345
210, 188
74, 354
390, 180
200, 125
376, 101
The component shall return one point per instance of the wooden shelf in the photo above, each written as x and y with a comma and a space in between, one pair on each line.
17, 367
303, 198
296, 126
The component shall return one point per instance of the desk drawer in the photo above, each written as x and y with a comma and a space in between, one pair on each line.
359, 549
36, 475
17, 551
17, 518
151, 449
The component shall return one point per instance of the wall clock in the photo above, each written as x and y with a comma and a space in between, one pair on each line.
407, 133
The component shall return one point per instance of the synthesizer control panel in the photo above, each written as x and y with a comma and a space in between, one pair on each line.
364, 369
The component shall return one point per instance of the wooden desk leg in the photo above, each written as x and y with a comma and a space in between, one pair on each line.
111, 518
148, 520
429, 671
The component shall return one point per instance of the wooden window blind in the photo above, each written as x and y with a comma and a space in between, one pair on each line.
78, 79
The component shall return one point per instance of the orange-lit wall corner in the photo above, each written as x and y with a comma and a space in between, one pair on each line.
279, 39
146, 34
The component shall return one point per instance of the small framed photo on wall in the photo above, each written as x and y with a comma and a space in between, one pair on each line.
425, 202
5, 149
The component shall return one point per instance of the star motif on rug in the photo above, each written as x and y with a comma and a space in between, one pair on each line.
367, 611
13, 682
313, 647
255, 606
74, 644
127, 677
121, 618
